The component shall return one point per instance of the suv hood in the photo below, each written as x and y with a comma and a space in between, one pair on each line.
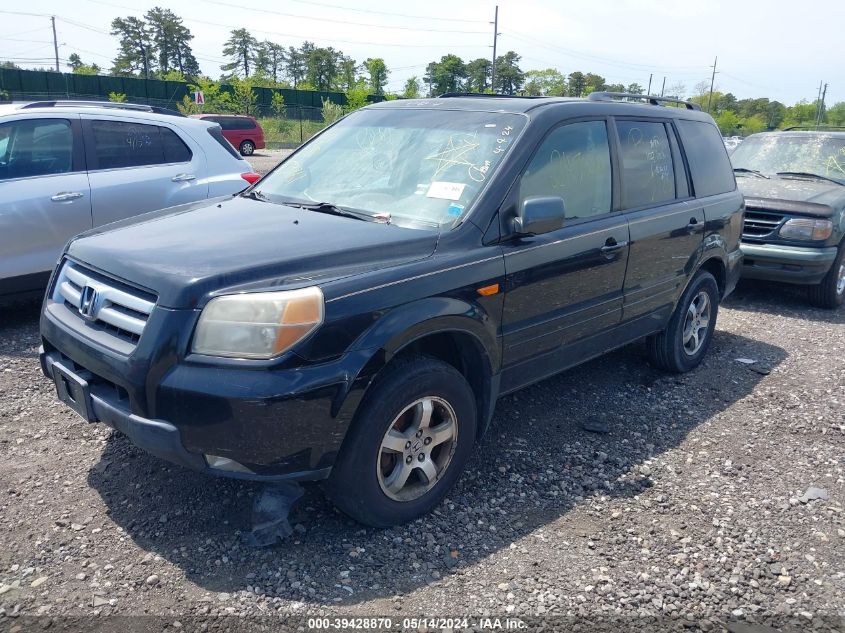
811, 197
186, 252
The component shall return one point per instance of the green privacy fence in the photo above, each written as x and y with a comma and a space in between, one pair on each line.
28, 85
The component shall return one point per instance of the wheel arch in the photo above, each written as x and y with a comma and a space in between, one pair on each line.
717, 267
451, 330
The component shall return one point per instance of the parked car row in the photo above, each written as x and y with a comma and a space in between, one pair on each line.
241, 131
794, 186
354, 316
66, 167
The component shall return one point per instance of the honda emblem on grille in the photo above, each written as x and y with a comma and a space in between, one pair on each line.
88, 300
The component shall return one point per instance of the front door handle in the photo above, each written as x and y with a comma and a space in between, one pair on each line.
183, 178
611, 246
66, 196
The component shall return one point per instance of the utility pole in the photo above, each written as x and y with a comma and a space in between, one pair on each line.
648, 91
819, 100
55, 41
820, 115
495, 36
712, 81
663, 89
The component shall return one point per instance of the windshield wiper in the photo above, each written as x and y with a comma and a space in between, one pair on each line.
745, 170
807, 174
332, 209
255, 194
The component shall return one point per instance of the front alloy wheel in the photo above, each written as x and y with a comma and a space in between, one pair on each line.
417, 449
410, 439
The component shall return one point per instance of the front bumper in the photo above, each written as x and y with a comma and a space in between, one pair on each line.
275, 423
790, 264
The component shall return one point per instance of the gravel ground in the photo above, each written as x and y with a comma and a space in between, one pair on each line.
690, 508
265, 159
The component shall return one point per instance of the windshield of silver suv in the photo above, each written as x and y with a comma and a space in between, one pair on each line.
801, 155
406, 166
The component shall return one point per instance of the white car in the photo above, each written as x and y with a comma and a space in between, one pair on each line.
69, 166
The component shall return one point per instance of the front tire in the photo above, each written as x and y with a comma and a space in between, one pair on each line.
682, 345
830, 293
409, 442
247, 148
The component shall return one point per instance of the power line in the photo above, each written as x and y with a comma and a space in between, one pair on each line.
333, 39
228, 27
11, 35
37, 15
595, 58
316, 19
402, 15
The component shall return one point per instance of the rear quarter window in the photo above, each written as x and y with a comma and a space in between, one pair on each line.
175, 150
710, 166
217, 134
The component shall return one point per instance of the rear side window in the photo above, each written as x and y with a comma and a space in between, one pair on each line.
217, 134
708, 159
648, 177
120, 144
175, 150
238, 123
574, 164
35, 147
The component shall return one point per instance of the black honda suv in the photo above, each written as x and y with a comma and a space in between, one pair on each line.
355, 315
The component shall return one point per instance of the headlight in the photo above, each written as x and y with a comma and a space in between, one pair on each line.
258, 325
800, 229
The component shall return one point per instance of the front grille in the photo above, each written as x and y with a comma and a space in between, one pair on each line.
103, 304
760, 224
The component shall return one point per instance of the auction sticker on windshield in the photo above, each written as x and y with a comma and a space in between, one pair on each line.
446, 190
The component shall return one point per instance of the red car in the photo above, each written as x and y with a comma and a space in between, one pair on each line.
243, 132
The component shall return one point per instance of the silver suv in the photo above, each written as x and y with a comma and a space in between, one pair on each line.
66, 167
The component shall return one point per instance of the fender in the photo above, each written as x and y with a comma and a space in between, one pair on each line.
708, 254
407, 323
410, 322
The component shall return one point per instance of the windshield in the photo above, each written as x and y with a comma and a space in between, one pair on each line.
422, 168
772, 153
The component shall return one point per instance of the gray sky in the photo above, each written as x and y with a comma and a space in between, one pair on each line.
765, 48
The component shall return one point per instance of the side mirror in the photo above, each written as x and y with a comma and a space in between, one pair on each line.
539, 214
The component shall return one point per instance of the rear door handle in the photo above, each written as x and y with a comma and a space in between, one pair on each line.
66, 196
183, 178
611, 246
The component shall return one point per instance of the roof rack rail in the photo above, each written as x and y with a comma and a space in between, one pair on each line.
813, 128
448, 95
138, 107
653, 100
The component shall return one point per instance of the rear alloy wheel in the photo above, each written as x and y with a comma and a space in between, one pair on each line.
682, 345
411, 438
830, 293
247, 148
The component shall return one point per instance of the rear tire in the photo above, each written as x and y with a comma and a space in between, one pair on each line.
389, 439
247, 148
830, 293
682, 345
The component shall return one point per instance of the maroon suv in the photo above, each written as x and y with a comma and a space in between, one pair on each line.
243, 132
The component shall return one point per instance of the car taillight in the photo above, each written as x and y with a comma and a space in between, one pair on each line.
251, 177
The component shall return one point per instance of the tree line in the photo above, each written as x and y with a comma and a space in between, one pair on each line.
158, 46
